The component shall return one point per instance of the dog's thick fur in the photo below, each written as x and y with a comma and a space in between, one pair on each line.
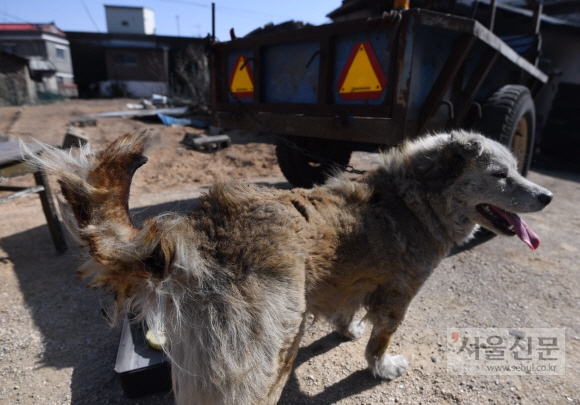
230, 283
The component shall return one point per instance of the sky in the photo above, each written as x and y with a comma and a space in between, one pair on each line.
188, 18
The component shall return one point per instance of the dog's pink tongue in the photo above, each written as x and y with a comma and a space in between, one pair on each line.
521, 229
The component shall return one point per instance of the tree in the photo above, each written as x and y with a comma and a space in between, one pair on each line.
191, 69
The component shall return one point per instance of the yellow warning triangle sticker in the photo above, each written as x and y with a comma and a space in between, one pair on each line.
242, 79
362, 77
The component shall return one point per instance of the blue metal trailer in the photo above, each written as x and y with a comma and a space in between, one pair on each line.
369, 83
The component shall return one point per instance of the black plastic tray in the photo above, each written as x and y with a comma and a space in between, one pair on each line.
141, 369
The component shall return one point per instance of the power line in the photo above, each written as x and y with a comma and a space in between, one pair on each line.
187, 3
242, 11
227, 10
255, 14
90, 16
14, 17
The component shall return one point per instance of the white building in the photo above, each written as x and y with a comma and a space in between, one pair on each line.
130, 20
48, 51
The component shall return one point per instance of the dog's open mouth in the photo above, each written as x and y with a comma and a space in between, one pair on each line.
510, 224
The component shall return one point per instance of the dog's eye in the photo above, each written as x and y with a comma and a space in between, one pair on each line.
500, 175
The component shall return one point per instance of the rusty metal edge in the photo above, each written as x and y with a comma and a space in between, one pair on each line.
306, 33
446, 76
329, 110
475, 28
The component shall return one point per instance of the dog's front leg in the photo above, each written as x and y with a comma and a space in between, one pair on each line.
386, 311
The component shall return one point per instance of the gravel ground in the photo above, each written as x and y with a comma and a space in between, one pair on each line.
56, 348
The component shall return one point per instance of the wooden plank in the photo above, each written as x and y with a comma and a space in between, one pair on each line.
10, 152
83, 121
15, 170
74, 137
136, 113
23, 193
12, 188
50, 211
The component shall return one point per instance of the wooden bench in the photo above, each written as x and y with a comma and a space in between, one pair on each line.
13, 165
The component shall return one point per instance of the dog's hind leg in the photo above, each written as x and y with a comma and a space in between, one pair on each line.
348, 327
386, 312
286, 357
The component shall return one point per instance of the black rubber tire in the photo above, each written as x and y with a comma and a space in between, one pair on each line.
502, 113
305, 172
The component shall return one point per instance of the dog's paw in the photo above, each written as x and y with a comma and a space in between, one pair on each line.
389, 367
354, 331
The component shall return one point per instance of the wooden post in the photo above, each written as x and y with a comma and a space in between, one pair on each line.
50, 212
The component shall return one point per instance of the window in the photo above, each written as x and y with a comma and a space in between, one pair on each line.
131, 59
61, 53
9, 48
125, 59
125, 23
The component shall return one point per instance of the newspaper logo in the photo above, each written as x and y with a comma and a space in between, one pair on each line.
504, 351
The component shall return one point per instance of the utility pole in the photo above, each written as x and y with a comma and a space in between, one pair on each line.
213, 22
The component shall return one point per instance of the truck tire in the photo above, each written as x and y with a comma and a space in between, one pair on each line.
302, 171
509, 117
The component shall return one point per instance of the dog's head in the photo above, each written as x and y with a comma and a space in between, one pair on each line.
480, 181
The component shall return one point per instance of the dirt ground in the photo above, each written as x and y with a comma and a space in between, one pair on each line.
56, 347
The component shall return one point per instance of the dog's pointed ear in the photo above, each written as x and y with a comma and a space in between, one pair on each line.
465, 146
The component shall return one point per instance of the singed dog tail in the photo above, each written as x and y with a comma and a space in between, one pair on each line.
95, 188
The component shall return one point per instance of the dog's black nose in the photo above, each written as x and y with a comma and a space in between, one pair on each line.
546, 198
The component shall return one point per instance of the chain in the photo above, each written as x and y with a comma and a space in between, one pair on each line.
319, 159
283, 139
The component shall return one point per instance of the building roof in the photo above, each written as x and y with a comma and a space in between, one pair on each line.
123, 40
119, 43
49, 28
127, 7
19, 27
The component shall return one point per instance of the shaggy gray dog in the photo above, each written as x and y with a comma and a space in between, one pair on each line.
230, 283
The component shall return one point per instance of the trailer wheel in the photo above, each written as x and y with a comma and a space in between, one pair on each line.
303, 171
509, 117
